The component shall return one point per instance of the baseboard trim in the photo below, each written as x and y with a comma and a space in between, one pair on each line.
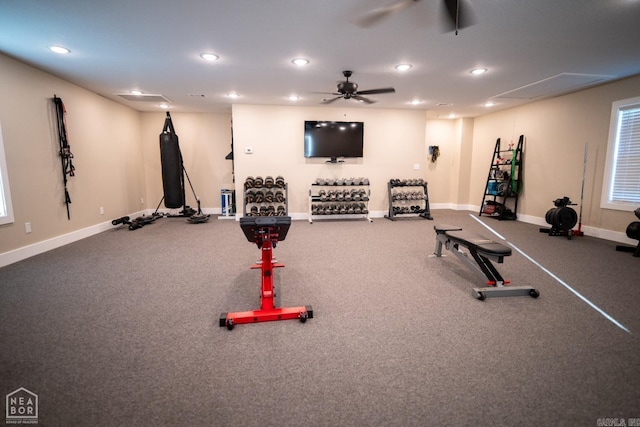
25, 252
38, 248
28, 251
600, 233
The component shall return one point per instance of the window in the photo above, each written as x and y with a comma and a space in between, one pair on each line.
621, 185
6, 210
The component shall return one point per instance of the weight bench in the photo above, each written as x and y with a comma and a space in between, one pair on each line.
266, 232
482, 252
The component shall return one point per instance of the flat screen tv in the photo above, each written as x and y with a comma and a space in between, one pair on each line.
333, 139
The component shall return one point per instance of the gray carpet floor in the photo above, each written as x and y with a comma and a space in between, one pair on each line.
121, 329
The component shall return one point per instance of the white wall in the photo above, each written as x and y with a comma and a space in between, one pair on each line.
556, 131
447, 176
394, 140
118, 161
104, 137
205, 140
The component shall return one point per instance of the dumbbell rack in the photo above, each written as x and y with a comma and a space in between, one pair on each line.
341, 204
262, 205
413, 193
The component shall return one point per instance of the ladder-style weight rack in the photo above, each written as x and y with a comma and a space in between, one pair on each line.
503, 182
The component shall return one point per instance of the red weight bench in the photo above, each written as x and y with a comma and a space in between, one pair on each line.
265, 232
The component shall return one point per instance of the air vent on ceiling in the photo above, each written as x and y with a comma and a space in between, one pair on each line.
143, 98
554, 85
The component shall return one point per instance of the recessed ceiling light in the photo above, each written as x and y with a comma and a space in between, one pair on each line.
209, 56
293, 97
165, 106
478, 71
301, 62
136, 92
489, 104
60, 49
233, 95
403, 67
416, 102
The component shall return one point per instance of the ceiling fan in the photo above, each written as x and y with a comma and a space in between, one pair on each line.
349, 90
457, 14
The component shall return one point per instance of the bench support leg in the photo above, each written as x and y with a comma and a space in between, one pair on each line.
504, 291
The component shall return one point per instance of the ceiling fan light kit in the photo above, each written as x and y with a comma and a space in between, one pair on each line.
349, 90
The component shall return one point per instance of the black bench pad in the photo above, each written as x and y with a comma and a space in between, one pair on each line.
480, 243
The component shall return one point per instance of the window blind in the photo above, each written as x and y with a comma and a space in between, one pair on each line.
3, 206
6, 209
626, 172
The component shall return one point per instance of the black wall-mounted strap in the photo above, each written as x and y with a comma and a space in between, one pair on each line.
65, 149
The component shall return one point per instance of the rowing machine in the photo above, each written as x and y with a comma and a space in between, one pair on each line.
265, 232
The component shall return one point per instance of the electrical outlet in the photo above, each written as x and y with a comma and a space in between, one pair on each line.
101, 210
142, 200
27, 227
248, 150
416, 166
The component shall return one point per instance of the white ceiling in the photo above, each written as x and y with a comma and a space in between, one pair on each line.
531, 48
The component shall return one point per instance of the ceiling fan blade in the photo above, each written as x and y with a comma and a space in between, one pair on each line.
363, 99
376, 15
376, 91
327, 93
457, 14
329, 101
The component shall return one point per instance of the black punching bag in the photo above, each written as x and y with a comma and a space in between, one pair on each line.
171, 159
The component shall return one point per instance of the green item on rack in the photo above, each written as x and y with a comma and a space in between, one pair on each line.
514, 183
